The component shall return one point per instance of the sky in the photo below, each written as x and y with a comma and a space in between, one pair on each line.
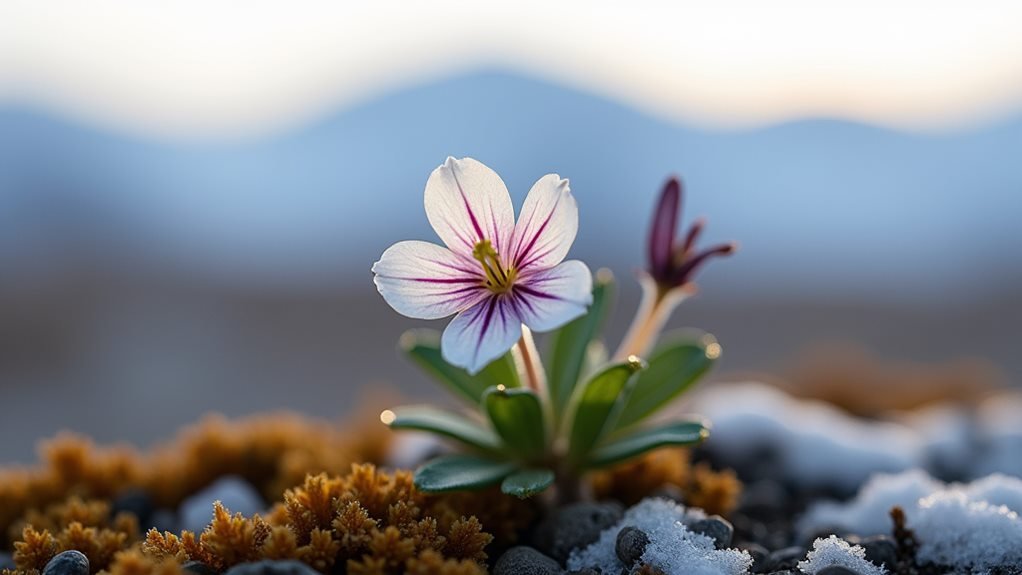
197, 69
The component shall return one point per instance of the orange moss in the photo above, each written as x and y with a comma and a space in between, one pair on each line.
716, 492
327, 520
272, 452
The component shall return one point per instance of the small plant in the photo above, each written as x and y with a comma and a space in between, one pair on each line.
533, 424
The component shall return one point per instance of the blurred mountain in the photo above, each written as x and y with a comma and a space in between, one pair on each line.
821, 207
143, 282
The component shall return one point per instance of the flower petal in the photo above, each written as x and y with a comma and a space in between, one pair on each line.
426, 281
467, 202
547, 225
477, 336
548, 299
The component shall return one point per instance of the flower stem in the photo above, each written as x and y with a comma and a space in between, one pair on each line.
530, 366
657, 305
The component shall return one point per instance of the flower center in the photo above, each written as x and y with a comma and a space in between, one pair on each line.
498, 279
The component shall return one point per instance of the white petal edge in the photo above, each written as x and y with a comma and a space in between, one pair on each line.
467, 202
548, 299
426, 281
477, 336
547, 226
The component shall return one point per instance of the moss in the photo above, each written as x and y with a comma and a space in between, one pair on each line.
273, 452
368, 521
717, 492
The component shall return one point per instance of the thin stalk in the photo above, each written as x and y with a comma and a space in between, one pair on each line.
530, 368
657, 305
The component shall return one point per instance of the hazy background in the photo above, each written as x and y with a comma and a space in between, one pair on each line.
191, 199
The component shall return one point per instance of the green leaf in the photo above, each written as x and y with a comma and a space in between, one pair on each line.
641, 441
527, 482
423, 347
597, 405
433, 420
459, 472
517, 416
567, 355
673, 368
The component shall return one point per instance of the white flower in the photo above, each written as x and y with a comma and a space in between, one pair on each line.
494, 273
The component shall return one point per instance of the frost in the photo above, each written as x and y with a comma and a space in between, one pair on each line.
672, 548
970, 527
834, 551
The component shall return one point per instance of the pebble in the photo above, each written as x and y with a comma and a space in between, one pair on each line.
163, 520
758, 553
763, 498
574, 526
715, 527
68, 563
786, 558
234, 492
881, 550
836, 570
271, 567
585, 571
631, 544
136, 502
6, 561
522, 560
198, 568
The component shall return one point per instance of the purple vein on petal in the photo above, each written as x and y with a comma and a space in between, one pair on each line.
532, 242
521, 301
468, 207
433, 280
539, 255
463, 297
537, 293
485, 327
451, 266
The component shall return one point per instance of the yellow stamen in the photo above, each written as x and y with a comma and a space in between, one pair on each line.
498, 279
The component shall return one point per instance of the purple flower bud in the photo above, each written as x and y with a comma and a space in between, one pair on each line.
669, 264
662, 229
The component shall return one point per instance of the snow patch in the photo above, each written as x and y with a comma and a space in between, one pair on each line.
818, 444
970, 527
672, 547
833, 551
869, 512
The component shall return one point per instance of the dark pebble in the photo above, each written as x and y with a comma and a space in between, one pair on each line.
574, 526
758, 553
881, 550
715, 527
136, 502
6, 561
235, 493
586, 571
836, 570
786, 558
763, 498
631, 544
522, 560
163, 520
68, 563
267, 567
198, 568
